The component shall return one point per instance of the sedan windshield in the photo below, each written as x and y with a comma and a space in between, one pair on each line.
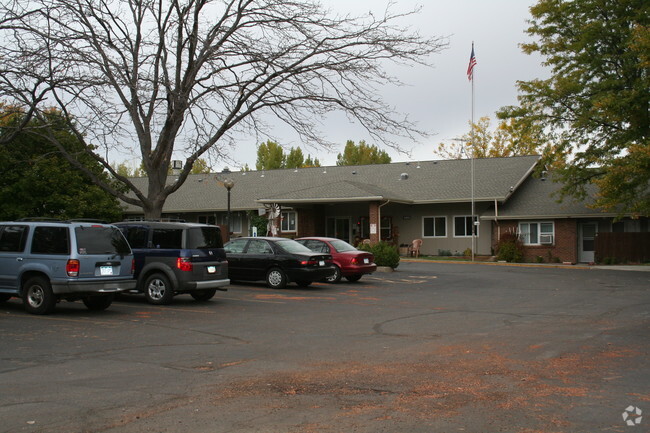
292, 246
342, 246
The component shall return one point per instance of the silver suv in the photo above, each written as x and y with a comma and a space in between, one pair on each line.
43, 262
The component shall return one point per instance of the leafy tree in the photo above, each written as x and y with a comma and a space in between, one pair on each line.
595, 105
514, 136
295, 158
361, 154
201, 167
311, 163
37, 181
193, 75
270, 156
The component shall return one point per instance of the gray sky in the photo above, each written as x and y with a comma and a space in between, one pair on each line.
439, 98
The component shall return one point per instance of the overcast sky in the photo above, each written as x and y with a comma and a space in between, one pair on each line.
439, 99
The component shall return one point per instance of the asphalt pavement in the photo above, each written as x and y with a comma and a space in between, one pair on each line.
432, 347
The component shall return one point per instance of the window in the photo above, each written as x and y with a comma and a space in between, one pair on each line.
207, 219
236, 246
463, 226
51, 240
13, 238
258, 246
137, 237
222, 219
434, 227
167, 238
386, 228
317, 246
537, 233
101, 240
204, 238
289, 221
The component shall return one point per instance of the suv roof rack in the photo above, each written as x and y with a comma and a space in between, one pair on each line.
40, 219
88, 220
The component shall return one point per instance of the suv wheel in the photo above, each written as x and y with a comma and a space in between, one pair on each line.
203, 295
38, 296
99, 302
158, 290
276, 279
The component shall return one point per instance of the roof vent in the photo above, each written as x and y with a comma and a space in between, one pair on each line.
354, 172
404, 176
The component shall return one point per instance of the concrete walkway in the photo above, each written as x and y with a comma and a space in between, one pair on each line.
639, 268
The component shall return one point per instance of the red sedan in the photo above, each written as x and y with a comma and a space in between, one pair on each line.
350, 262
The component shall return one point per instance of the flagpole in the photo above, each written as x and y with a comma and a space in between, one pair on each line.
472, 163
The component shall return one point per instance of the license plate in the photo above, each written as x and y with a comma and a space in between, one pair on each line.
366, 261
105, 270
321, 263
212, 269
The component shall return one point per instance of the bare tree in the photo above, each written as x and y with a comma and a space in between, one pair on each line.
189, 75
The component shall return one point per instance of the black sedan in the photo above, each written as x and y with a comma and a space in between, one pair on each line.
278, 261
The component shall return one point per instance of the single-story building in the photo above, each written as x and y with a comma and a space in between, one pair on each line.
399, 202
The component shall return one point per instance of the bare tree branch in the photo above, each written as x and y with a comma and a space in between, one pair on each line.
186, 75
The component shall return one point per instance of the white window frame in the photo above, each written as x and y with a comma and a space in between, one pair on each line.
466, 235
434, 217
287, 219
524, 236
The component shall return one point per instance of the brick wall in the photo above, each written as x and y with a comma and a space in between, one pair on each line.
373, 210
564, 249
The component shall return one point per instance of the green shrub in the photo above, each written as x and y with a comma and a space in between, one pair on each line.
385, 254
444, 253
539, 259
510, 248
467, 252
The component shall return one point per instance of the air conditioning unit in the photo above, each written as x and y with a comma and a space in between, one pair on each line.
546, 239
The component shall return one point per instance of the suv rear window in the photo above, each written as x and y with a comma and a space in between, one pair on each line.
101, 240
51, 240
204, 238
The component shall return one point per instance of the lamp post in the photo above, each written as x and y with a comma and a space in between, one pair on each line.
228, 183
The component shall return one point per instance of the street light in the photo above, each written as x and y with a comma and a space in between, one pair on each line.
228, 183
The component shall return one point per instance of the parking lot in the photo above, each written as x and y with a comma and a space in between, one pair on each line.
429, 348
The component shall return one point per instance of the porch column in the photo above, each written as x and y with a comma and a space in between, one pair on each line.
373, 213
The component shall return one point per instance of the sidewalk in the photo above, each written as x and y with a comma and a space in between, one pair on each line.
639, 268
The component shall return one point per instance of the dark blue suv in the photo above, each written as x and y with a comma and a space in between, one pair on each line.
176, 257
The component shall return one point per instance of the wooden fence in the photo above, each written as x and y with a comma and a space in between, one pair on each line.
622, 247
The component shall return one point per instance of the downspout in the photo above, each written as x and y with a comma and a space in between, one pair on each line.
496, 220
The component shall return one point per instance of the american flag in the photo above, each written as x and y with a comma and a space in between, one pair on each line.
472, 63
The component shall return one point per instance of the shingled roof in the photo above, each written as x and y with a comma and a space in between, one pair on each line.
540, 199
412, 183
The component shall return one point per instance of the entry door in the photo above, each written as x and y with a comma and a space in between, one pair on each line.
587, 241
339, 227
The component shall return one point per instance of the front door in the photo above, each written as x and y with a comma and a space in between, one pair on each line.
339, 227
587, 241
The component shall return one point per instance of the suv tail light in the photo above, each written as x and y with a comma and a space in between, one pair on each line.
184, 264
132, 266
72, 268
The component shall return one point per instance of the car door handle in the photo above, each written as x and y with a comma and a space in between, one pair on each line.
19, 259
